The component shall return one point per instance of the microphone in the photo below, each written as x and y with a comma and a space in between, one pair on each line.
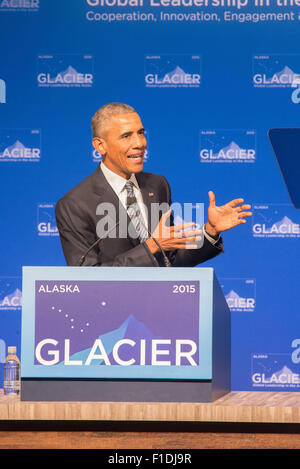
83, 257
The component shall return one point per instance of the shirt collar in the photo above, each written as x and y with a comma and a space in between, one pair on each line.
117, 182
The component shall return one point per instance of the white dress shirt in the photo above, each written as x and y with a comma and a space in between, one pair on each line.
118, 185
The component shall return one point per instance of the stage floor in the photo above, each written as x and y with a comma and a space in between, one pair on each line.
249, 407
237, 420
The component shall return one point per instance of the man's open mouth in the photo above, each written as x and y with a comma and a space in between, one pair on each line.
136, 156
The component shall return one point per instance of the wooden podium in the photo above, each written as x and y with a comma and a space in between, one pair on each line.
124, 335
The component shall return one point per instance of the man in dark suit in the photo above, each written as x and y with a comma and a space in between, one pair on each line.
119, 185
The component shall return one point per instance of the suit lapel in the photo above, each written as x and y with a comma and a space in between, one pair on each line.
106, 194
148, 194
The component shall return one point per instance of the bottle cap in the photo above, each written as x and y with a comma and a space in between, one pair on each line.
12, 350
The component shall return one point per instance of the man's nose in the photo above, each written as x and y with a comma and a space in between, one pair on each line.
139, 141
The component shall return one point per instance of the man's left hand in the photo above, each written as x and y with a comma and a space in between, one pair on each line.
225, 217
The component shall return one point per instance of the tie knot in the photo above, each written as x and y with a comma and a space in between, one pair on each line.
129, 187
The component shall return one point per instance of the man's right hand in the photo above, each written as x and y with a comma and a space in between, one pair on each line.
173, 237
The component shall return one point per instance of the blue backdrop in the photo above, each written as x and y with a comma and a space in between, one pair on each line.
209, 78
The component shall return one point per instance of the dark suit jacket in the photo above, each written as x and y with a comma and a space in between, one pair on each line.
77, 219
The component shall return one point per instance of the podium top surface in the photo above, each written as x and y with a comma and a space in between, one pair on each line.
118, 273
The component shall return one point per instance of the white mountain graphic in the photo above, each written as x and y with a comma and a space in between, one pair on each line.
232, 146
286, 221
69, 71
16, 294
232, 295
284, 371
285, 71
168, 76
7, 299
16, 146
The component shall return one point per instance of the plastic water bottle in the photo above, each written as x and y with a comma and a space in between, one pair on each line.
12, 373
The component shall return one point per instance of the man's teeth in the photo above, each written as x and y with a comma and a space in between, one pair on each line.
136, 156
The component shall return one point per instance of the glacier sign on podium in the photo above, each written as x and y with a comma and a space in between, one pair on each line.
124, 334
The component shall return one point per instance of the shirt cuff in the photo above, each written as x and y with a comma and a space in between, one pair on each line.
212, 240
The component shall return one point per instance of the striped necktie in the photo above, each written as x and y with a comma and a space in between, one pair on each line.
134, 213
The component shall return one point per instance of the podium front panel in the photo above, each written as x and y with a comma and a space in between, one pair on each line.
117, 323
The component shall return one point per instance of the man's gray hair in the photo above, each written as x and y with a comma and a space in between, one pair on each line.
102, 116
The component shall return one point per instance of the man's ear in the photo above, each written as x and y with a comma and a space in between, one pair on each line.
99, 145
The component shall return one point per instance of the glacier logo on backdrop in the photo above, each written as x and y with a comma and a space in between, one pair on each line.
46, 222
20, 145
276, 70
240, 293
96, 156
227, 146
10, 293
19, 5
274, 370
2, 91
65, 70
275, 221
172, 71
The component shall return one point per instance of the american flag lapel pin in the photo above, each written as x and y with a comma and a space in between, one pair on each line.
151, 194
